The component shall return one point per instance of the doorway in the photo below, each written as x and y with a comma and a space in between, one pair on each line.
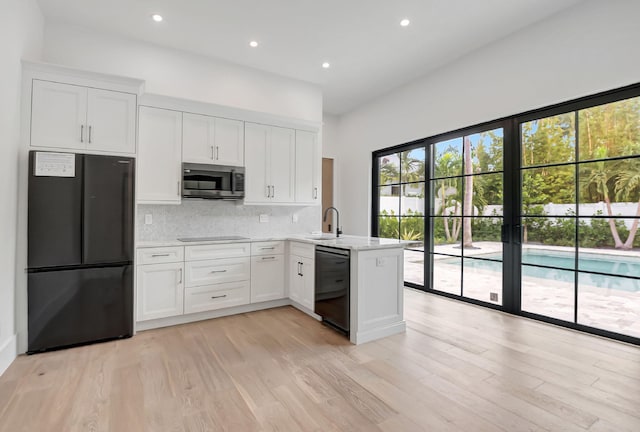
327, 193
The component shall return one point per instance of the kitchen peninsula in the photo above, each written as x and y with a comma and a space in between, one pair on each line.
179, 282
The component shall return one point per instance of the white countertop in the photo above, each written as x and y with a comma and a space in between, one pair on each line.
345, 241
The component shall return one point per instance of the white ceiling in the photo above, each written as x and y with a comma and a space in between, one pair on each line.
370, 53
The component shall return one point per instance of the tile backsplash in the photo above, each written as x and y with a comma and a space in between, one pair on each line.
203, 218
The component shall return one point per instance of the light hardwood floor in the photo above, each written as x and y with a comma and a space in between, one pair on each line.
458, 368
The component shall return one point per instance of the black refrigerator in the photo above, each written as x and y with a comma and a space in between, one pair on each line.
80, 249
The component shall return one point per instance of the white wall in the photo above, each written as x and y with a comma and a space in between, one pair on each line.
178, 74
584, 50
21, 27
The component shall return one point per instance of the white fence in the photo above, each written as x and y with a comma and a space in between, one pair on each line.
417, 204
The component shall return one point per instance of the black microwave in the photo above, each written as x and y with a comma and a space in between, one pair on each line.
212, 181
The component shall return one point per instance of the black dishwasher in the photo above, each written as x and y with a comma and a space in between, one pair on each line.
332, 287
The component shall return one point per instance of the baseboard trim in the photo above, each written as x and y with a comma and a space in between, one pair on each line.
8, 353
200, 316
378, 333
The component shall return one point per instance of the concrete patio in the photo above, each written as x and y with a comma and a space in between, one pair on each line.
610, 309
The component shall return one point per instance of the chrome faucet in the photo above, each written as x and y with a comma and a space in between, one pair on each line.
324, 219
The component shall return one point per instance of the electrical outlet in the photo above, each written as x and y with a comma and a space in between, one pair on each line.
294, 218
264, 218
493, 296
148, 219
380, 262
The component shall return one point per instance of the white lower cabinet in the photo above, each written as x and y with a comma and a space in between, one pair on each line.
302, 281
215, 282
218, 296
267, 278
160, 290
208, 272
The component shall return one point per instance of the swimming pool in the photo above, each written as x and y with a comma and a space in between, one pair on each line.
565, 261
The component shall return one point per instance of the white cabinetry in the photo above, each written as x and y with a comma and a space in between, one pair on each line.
267, 271
270, 164
216, 283
308, 170
159, 156
160, 287
212, 140
69, 116
302, 275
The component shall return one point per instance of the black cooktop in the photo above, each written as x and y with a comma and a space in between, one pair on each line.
214, 238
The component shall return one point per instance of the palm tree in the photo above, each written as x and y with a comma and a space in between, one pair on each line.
388, 171
597, 184
628, 188
467, 236
449, 164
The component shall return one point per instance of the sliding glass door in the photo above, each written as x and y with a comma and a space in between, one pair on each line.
537, 214
400, 199
466, 215
580, 210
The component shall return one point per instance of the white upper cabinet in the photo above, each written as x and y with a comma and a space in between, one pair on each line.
257, 188
307, 167
74, 117
212, 140
229, 142
58, 115
270, 164
111, 119
197, 139
282, 164
159, 156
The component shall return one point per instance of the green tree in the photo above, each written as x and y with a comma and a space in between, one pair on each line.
597, 180
627, 187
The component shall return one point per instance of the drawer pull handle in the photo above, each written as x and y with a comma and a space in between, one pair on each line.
268, 258
340, 280
219, 271
220, 296
159, 255
267, 248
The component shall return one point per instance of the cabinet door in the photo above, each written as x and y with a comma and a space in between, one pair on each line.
282, 164
159, 156
111, 121
307, 167
198, 139
58, 115
256, 143
200, 273
160, 291
229, 142
267, 278
307, 295
295, 279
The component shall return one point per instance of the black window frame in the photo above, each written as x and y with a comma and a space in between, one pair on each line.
512, 191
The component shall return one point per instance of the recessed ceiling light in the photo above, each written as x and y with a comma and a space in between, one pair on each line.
156, 17
405, 22
326, 65
253, 44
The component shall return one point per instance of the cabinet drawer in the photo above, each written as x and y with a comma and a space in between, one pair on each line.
267, 248
302, 249
160, 255
213, 297
208, 252
200, 273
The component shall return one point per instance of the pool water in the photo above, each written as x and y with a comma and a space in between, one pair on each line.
615, 265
